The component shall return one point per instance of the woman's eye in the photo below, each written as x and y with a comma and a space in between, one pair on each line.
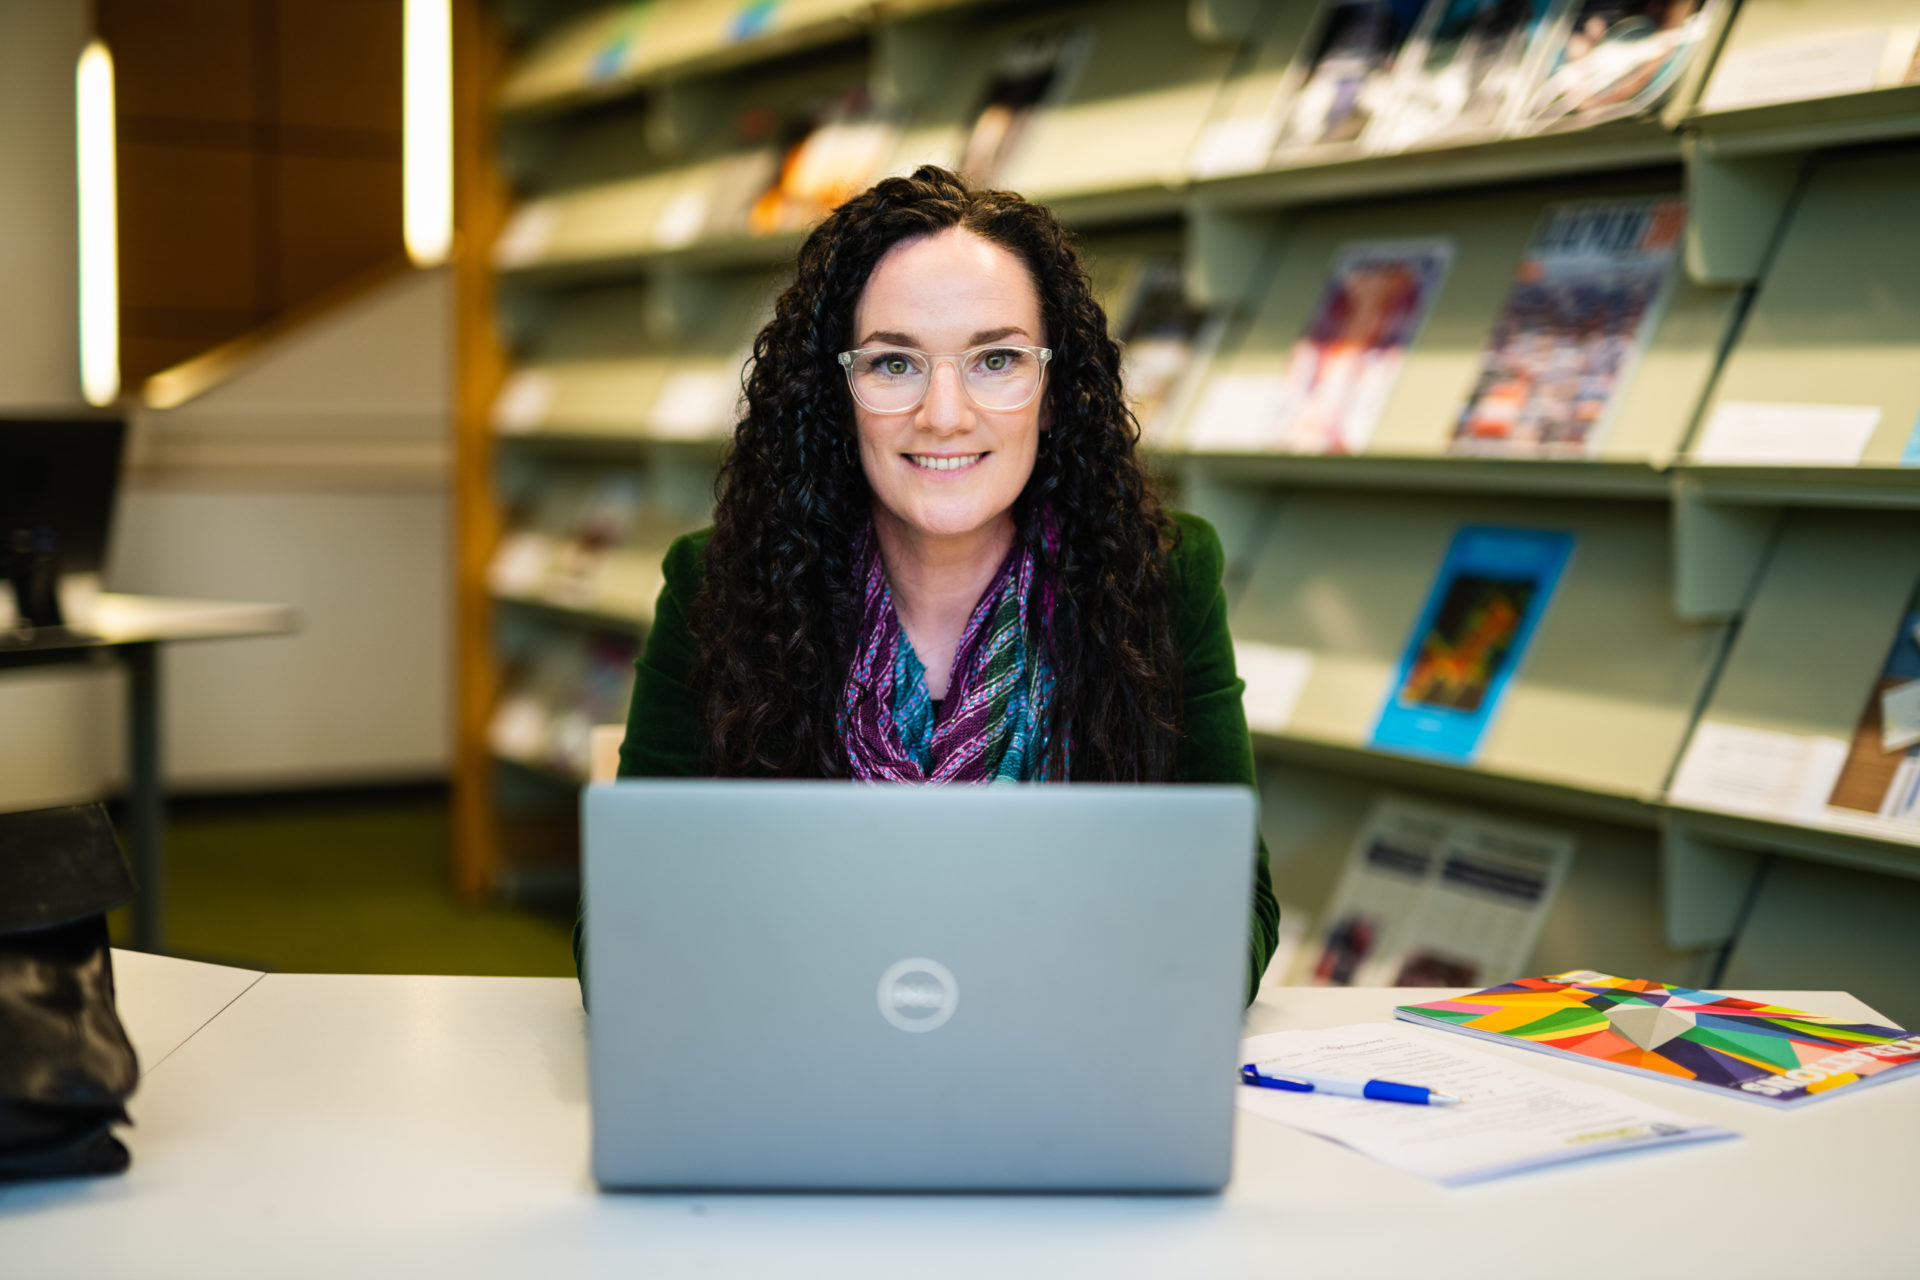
998, 361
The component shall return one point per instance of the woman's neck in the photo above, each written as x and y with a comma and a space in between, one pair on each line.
937, 582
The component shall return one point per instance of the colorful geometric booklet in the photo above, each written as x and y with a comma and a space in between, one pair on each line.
1759, 1051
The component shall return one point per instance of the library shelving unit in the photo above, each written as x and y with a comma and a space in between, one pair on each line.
1743, 526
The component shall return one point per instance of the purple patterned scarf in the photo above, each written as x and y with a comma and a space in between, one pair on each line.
999, 703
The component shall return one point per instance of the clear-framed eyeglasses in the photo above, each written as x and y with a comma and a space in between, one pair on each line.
996, 377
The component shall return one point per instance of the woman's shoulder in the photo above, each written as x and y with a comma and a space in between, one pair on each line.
1195, 558
685, 565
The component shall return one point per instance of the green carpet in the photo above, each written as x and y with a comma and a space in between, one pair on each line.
353, 883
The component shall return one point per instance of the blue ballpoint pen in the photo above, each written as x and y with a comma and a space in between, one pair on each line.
1378, 1090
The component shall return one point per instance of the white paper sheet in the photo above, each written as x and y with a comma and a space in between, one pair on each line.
1820, 435
1514, 1117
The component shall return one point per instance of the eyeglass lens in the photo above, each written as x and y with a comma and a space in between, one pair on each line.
895, 379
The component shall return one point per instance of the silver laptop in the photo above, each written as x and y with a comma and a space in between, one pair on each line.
823, 985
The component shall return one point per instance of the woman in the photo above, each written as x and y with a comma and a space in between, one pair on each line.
935, 556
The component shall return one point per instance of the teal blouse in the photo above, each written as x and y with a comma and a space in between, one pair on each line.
663, 724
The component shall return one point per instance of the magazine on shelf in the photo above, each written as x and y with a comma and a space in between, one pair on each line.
1165, 341
1881, 776
1032, 73
1738, 1048
1610, 59
1344, 79
1487, 601
1461, 70
1577, 317
1438, 897
1343, 368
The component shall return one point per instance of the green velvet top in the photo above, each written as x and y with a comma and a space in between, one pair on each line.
663, 727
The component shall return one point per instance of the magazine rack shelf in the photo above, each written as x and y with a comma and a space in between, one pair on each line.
622, 49
1484, 235
1784, 733
619, 155
1835, 324
1798, 76
572, 615
1427, 473
1602, 695
1465, 782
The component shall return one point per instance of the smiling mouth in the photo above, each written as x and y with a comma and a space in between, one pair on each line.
951, 462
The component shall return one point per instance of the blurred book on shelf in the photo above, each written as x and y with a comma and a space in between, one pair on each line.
1486, 602
1342, 369
1881, 775
1460, 73
1577, 317
1437, 897
1613, 59
1344, 81
553, 696
1032, 73
1165, 341
830, 154
583, 540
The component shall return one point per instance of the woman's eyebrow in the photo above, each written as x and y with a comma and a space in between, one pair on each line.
894, 338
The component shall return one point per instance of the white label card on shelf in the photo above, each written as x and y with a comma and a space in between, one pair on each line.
679, 222
1822, 66
1238, 144
1238, 413
526, 236
1900, 717
1275, 677
695, 404
1815, 435
1758, 771
523, 402
520, 563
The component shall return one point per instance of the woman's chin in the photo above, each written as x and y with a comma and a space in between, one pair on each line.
945, 521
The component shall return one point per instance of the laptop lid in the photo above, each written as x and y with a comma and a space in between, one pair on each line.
820, 985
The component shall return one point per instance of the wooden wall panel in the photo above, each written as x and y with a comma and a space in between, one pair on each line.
260, 157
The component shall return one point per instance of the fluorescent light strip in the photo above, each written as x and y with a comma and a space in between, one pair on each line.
427, 147
99, 234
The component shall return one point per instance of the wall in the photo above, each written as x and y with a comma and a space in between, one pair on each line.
54, 746
312, 474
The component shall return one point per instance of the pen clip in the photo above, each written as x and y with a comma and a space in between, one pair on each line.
1250, 1074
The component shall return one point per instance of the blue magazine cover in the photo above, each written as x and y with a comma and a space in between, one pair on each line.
1489, 595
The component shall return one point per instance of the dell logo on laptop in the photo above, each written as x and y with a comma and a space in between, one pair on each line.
918, 994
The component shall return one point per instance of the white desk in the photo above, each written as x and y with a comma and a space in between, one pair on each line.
334, 1126
130, 630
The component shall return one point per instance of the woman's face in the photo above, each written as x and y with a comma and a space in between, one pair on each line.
948, 469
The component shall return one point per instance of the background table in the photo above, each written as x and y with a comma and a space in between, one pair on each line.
130, 630
339, 1125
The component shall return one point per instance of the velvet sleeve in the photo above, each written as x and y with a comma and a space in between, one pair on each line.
1214, 743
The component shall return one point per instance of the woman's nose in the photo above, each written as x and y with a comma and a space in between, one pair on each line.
946, 404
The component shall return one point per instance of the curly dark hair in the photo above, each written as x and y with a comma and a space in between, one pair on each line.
773, 623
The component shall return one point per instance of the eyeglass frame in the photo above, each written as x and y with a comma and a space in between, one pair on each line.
935, 359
